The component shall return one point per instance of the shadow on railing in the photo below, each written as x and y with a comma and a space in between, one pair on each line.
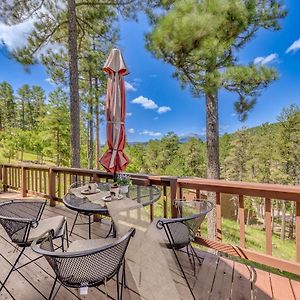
53, 182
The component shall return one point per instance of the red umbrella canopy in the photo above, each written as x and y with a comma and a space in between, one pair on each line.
114, 159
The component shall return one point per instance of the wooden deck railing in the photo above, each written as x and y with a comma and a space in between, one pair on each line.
53, 182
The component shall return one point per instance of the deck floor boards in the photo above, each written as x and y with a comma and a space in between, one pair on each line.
216, 279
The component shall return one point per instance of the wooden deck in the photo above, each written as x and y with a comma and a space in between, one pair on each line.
217, 278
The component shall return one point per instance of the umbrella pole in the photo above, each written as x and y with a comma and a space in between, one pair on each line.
115, 174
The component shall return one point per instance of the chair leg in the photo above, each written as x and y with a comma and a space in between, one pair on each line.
90, 229
52, 290
67, 236
74, 223
63, 243
118, 286
180, 266
194, 263
12, 269
195, 253
124, 274
123, 282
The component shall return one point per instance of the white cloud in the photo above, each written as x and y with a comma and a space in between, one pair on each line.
15, 36
163, 109
294, 47
129, 114
150, 104
130, 87
265, 60
145, 102
131, 130
151, 133
155, 118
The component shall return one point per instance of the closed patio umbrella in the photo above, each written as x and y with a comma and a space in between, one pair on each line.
114, 160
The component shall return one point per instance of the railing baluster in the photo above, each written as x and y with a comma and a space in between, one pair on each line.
36, 180
151, 205
180, 193
298, 231
219, 216
165, 201
40, 181
45, 183
268, 226
4, 177
173, 186
65, 183
23, 183
59, 185
242, 220
32, 180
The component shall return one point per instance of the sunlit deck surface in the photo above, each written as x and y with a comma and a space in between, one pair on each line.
217, 278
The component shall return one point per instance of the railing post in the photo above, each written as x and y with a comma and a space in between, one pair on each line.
242, 220
219, 216
298, 231
165, 201
268, 226
23, 182
51, 186
173, 186
4, 177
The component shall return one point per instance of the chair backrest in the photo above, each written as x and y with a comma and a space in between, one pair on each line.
17, 217
85, 268
182, 230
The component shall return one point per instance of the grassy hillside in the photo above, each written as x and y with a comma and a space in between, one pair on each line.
27, 157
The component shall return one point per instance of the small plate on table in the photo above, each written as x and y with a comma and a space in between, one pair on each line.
108, 198
89, 192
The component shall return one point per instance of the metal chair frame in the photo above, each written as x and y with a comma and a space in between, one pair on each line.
24, 243
166, 225
59, 260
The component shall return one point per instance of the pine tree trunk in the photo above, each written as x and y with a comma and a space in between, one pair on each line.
97, 125
91, 127
74, 90
282, 235
213, 164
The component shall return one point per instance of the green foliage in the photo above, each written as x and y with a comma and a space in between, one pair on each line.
56, 128
201, 40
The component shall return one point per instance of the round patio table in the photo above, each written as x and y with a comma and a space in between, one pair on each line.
145, 195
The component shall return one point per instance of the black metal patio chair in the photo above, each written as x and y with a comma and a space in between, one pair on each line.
22, 222
181, 231
86, 263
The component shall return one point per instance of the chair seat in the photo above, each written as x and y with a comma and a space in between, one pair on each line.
54, 223
83, 245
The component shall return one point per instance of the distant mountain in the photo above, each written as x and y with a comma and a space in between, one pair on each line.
185, 137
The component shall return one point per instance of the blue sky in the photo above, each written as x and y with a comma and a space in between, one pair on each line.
169, 108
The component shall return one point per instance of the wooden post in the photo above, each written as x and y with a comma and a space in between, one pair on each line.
4, 177
173, 186
95, 177
51, 186
23, 182
298, 231
219, 216
242, 220
268, 226
165, 199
